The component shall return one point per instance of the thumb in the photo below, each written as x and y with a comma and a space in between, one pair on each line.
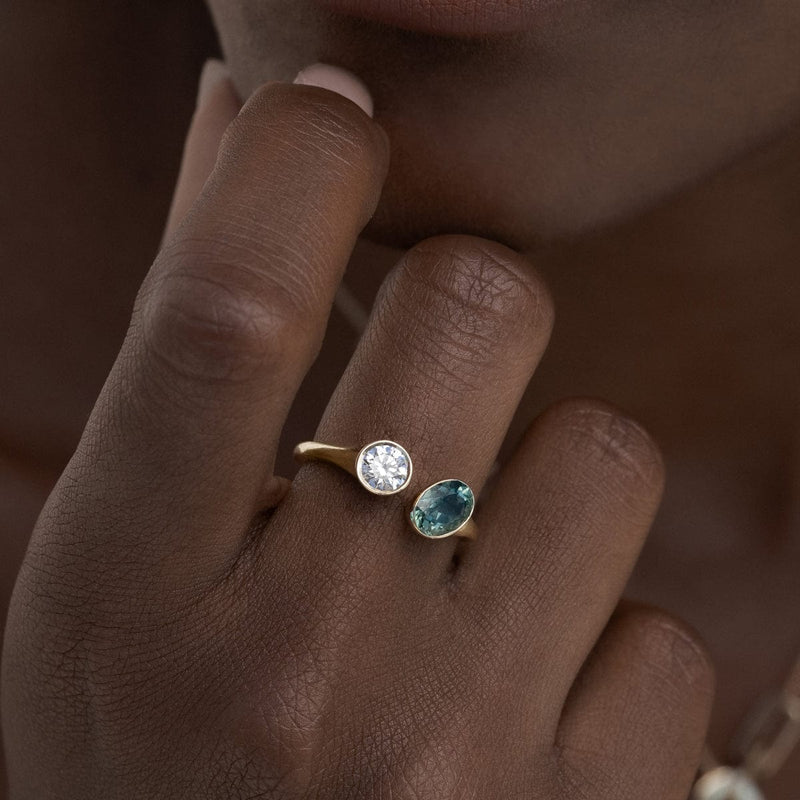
217, 106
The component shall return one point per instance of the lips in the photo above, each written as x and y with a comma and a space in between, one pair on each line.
442, 17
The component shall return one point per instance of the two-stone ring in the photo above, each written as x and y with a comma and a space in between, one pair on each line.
384, 468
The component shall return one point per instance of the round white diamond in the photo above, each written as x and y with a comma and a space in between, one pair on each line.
384, 467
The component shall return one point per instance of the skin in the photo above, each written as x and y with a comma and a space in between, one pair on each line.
586, 117
327, 657
684, 185
581, 269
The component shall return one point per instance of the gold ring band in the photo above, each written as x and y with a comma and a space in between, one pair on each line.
384, 467
381, 467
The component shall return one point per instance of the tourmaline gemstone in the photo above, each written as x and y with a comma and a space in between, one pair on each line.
443, 508
384, 467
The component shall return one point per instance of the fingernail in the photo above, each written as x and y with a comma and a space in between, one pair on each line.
338, 80
214, 72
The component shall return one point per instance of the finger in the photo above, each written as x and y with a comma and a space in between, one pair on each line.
560, 534
225, 327
217, 107
454, 337
635, 721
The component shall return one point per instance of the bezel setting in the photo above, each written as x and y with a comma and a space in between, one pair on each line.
457, 487
398, 452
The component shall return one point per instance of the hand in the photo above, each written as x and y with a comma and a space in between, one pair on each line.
182, 630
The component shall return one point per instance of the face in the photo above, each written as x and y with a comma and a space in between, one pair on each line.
537, 119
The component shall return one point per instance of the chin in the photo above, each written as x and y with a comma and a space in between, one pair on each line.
563, 196
595, 115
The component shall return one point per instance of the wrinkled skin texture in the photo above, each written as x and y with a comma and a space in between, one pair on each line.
183, 627
723, 553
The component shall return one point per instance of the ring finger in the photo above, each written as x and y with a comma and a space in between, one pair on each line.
565, 523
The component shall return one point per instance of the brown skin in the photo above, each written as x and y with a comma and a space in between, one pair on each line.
196, 644
91, 141
599, 110
685, 314
740, 232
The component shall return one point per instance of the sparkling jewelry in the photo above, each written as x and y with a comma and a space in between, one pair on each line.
444, 509
384, 467
769, 735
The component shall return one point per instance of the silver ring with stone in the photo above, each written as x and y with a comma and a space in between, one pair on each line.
384, 467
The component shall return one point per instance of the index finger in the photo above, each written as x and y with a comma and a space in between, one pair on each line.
225, 327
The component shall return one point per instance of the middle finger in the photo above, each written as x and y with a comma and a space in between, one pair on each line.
456, 333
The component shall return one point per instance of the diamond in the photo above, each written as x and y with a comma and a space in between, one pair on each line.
384, 467
443, 509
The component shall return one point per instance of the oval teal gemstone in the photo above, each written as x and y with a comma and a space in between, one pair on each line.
443, 508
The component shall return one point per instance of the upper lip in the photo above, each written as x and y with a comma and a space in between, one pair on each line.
444, 17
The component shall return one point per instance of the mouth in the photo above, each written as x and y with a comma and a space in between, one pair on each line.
463, 18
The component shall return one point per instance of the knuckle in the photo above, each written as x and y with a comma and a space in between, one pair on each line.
598, 431
208, 316
484, 281
474, 298
671, 651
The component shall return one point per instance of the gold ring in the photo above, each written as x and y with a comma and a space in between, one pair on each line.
384, 467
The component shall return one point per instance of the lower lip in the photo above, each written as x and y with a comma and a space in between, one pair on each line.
442, 17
